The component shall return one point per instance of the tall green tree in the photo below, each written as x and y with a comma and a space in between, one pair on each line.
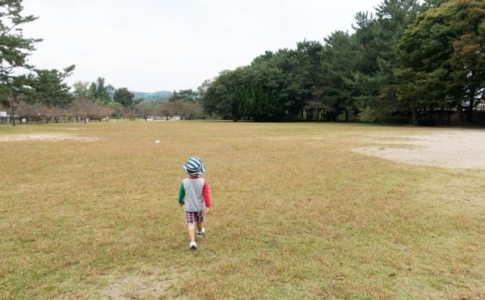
14, 47
81, 90
307, 73
277, 85
49, 87
124, 97
101, 91
377, 38
468, 57
220, 96
189, 94
443, 56
339, 58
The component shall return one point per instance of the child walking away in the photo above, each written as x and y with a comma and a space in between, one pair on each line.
194, 194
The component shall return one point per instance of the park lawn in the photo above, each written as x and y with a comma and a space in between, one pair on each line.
296, 215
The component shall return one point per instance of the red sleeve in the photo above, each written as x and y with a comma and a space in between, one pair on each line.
206, 195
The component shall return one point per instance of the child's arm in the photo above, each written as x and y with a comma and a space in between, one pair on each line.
181, 194
207, 198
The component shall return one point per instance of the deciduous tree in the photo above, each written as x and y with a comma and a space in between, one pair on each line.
146, 109
81, 90
443, 56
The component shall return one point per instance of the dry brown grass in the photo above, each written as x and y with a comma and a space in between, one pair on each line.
297, 215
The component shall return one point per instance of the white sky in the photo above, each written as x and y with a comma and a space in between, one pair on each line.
153, 45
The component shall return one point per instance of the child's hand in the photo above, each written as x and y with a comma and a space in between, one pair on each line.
182, 204
207, 210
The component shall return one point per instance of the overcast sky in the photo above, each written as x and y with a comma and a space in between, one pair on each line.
153, 45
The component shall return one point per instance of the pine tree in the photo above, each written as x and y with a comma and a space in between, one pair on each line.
14, 47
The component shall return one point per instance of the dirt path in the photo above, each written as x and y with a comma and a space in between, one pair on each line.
44, 137
448, 149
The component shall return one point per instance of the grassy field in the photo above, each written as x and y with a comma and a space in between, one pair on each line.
296, 215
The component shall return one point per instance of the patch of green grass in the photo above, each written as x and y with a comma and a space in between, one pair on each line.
296, 215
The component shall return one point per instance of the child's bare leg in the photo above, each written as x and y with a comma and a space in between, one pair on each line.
199, 226
191, 229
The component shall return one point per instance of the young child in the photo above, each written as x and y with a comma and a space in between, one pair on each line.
194, 194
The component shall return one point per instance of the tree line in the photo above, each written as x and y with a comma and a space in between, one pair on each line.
42, 95
98, 101
408, 62
94, 101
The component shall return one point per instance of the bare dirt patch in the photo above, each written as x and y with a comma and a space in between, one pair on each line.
139, 287
447, 149
46, 137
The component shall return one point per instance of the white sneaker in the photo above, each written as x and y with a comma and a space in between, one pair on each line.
193, 245
201, 233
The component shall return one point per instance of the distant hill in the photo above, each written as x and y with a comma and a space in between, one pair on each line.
161, 95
